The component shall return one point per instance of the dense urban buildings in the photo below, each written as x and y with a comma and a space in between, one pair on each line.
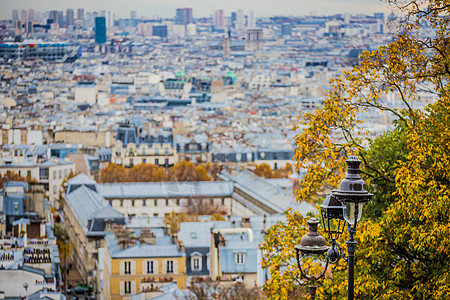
84, 91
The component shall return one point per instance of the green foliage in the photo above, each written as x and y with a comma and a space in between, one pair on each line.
404, 242
381, 160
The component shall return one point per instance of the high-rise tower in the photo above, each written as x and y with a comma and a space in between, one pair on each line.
183, 16
100, 30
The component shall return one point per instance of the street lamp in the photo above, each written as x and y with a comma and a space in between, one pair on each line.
351, 195
311, 244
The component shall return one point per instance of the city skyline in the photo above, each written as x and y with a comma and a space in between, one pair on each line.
202, 8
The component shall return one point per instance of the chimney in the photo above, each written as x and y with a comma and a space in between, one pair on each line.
245, 222
42, 229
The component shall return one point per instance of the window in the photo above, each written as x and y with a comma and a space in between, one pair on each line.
239, 258
29, 173
155, 214
223, 201
144, 160
127, 287
97, 243
156, 161
167, 202
178, 202
60, 174
43, 173
54, 174
156, 151
196, 263
166, 150
66, 172
150, 267
127, 267
169, 266
193, 235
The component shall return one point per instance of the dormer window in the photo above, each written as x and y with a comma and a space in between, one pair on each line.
239, 258
196, 261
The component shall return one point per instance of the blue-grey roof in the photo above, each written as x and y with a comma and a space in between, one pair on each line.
198, 234
84, 202
55, 162
81, 179
165, 189
257, 187
141, 250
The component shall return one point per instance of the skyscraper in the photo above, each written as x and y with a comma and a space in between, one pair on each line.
240, 21
60, 18
233, 19
23, 16
252, 21
70, 18
80, 14
31, 15
100, 30
219, 18
53, 16
183, 16
15, 15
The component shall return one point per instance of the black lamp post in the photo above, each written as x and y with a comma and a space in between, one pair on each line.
346, 203
311, 244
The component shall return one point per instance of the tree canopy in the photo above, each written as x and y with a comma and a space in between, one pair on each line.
183, 171
403, 242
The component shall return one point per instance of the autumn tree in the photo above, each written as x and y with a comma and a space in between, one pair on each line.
264, 170
147, 173
114, 173
282, 172
213, 170
202, 173
65, 248
62, 190
186, 171
404, 240
173, 221
13, 176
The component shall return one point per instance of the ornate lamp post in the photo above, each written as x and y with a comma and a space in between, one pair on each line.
346, 203
311, 244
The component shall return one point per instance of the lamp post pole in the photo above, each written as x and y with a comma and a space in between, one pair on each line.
351, 248
346, 203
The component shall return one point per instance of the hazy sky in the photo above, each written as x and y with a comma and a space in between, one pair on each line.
201, 8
